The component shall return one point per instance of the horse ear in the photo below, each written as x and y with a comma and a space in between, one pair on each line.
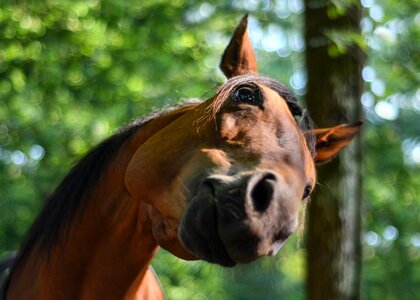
330, 141
239, 57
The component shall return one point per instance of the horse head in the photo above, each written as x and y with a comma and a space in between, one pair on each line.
224, 181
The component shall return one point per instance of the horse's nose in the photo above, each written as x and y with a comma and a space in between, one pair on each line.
256, 212
261, 190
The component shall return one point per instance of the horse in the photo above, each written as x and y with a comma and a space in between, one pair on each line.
220, 180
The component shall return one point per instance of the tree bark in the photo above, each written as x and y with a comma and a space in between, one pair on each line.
333, 97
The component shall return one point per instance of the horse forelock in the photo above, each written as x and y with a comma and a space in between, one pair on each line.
226, 89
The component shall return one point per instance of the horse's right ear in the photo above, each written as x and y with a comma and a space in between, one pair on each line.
330, 141
239, 57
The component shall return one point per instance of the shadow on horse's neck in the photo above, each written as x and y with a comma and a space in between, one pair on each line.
109, 244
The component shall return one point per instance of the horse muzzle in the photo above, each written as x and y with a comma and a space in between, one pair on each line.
236, 219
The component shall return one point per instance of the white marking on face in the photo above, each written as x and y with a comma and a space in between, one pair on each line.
230, 123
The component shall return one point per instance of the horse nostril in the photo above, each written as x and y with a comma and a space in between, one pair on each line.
262, 192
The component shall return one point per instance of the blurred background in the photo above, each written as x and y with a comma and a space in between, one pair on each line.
73, 72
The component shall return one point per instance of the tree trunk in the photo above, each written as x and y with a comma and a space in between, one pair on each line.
334, 89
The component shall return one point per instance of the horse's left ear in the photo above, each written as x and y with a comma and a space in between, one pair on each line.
239, 57
330, 141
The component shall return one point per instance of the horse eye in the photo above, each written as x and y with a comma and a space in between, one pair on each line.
306, 192
247, 94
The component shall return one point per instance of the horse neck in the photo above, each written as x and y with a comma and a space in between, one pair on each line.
109, 246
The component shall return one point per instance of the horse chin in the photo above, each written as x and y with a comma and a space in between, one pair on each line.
198, 231
205, 246
177, 249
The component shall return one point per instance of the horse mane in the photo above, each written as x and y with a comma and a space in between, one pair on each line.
52, 225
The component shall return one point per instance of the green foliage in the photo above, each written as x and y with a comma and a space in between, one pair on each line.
343, 40
338, 8
392, 177
72, 72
